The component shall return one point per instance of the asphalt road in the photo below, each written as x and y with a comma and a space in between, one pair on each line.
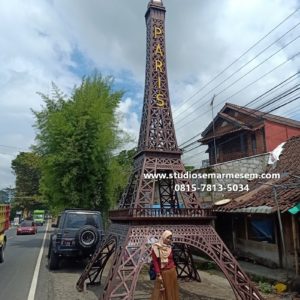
20, 260
60, 284
21, 257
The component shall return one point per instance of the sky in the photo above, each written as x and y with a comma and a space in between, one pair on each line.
60, 41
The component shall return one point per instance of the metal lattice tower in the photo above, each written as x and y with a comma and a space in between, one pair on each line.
151, 205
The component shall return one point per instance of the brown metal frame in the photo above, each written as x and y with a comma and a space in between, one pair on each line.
94, 269
133, 250
138, 221
184, 261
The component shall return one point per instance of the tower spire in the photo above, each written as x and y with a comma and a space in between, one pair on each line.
157, 129
158, 2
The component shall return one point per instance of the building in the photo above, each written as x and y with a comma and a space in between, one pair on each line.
6, 195
243, 132
263, 224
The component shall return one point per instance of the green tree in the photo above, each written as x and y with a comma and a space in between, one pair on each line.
26, 167
121, 167
76, 138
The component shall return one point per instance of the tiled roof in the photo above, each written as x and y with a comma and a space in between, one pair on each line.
266, 116
261, 193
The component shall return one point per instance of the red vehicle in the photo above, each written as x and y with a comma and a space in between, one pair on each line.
27, 227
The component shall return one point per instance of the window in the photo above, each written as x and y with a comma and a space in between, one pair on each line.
76, 220
26, 224
261, 230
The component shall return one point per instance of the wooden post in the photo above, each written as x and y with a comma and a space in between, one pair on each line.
246, 227
233, 233
295, 244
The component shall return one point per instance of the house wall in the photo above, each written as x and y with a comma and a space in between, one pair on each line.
270, 254
261, 252
277, 133
288, 239
256, 142
238, 145
260, 141
234, 229
232, 149
254, 164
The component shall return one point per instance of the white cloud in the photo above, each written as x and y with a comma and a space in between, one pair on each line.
40, 38
128, 120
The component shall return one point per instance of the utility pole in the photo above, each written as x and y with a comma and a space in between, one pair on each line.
213, 124
274, 186
280, 227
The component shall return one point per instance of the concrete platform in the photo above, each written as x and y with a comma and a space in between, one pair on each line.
280, 275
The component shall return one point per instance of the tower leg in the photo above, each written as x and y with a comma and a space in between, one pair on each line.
94, 269
185, 265
132, 251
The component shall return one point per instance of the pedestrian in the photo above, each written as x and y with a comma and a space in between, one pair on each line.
166, 284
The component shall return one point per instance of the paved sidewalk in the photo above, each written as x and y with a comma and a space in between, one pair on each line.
251, 269
279, 275
213, 285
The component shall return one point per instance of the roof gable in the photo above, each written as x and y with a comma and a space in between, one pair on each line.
246, 118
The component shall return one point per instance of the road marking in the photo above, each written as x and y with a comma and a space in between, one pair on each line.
37, 269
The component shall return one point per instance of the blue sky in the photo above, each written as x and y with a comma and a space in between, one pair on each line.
62, 40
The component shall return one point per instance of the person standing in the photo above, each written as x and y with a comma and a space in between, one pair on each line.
166, 284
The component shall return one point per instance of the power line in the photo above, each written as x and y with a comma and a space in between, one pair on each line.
274, 100
236, 60
282, 83
228, 140
243, 76
258, 79
271, 110
268, 92
234, 73
191, 156
242, 89
188, 140
267, 103
192, 143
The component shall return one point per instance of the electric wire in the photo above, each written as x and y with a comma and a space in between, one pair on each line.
283, 96
182, 126
267, 103
240, 78
267, 93
243, 54
240, 68
228, 140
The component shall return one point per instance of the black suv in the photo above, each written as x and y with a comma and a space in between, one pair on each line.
78, 233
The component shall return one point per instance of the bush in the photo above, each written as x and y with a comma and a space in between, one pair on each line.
265, 287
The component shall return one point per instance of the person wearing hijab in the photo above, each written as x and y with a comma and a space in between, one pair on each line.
166, 285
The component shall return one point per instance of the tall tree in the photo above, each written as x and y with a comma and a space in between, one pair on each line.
76, 138
26, 167
120, 169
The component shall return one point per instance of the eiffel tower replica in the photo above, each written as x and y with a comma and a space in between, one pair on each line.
158, 196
